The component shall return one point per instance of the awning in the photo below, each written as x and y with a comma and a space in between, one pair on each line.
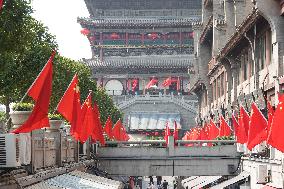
201, 181
152, 120
188, 179
78, 180
233, 180
268, 187
206, 181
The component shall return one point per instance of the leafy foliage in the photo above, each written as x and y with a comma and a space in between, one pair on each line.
55, 116
25, 47
22, 106
2, 117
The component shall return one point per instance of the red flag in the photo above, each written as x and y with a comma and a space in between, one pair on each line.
97, 134
108, 127
238, 131
225, 130
202, 134
175, 131
40, 91
151, 83
70, 107
257, 127
1, 4
167, 82
123, 135
275, 137
116, 131
270, 117
167, 133
213, 131
87, 119
194, 134
244, 125
134, 84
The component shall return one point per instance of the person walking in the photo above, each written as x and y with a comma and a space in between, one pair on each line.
165, 184
151, 179
159, 180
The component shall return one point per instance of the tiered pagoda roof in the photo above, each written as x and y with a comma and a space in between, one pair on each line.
152, 61
136, 22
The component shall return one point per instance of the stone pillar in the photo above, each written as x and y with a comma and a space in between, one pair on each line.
235, 72
229, 86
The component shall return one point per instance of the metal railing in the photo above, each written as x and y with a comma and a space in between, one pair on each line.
162, 143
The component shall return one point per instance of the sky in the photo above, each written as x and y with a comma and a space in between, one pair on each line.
60, 16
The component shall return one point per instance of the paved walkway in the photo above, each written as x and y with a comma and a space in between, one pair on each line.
146, 180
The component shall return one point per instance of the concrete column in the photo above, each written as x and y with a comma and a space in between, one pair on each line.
234, 71
229, 80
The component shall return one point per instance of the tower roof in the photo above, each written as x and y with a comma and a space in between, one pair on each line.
153, 61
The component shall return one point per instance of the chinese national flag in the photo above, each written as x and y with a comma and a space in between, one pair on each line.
175, 131
213, 131
194, 134
116, 131
167, 82
243, 125
70, 107
270, 117
275, 137
167, 133
238, 132
134, 84
151, 83
108, 127
202, 134
87, 119
97, 133
40, 91
225, 130
257, 127
1, 4
124, 136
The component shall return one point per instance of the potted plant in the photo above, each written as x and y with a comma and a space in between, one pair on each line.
55, 121
21, 112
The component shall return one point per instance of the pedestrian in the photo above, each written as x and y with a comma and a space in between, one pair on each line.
165, 184
159, 180
151, 179
175, 184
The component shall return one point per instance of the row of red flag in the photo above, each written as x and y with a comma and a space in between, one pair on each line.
250, 129
84, 119
167, 82
168, 132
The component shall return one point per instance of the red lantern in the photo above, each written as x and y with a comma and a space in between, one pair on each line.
114, 36
85, 31
153, 35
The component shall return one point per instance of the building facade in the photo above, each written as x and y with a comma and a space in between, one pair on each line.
136, 47
239, 50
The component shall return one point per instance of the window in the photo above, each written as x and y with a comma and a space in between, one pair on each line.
260, 51
222, 88
219, 86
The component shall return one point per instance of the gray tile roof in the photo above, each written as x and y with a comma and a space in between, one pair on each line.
138, 21
153, 61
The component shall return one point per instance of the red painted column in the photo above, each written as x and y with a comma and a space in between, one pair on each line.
180, 38
126, 38
142, 38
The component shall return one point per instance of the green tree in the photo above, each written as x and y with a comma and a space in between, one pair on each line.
25, 45
64, 70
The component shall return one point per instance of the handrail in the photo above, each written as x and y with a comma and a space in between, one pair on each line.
205, 141
178, 142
